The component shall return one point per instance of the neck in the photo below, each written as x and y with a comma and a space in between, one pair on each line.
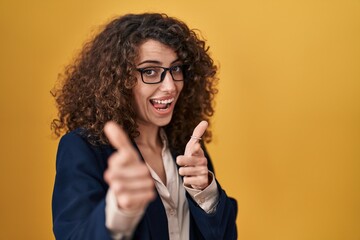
149, 136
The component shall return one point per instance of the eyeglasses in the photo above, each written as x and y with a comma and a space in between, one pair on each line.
152, 75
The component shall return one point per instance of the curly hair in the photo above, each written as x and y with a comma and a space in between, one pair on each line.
97, 86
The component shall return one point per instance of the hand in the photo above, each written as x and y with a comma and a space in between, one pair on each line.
193, 164
128, 177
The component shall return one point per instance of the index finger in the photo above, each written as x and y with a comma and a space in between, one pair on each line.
199, 131
196, 136
116, 135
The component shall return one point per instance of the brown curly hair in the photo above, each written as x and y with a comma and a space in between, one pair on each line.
97, 86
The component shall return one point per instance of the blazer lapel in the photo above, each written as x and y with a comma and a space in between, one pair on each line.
155, 215
156, 220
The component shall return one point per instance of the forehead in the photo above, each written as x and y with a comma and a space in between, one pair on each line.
152, 50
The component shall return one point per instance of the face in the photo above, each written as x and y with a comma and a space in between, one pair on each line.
155, 103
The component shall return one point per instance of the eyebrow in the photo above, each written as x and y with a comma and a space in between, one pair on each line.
157, 62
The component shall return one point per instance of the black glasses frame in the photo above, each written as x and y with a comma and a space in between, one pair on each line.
163, 74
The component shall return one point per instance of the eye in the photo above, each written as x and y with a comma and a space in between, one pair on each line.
148, 71
176, 69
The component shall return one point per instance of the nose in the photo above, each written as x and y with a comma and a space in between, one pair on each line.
168, 83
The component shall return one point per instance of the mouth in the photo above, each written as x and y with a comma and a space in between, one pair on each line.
162, 104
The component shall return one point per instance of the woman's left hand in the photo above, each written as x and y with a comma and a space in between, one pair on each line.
193, 164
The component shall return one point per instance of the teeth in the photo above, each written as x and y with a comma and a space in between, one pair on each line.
167, 101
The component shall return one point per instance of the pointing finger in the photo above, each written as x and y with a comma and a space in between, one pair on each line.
116, 135
199, 130
196, 136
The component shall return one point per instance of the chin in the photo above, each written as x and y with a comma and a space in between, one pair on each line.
163, 122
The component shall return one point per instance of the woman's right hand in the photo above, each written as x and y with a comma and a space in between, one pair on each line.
128, 177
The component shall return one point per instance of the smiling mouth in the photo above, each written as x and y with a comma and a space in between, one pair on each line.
162, 105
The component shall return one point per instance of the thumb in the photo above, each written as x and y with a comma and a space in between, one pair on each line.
116, 135
196, 136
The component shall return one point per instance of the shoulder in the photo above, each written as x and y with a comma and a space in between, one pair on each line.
74, 148
74, 137
77, 139
73, 143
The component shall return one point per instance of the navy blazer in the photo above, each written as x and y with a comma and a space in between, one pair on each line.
78, 202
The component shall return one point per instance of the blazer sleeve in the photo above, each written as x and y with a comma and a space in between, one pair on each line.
218, 225
78, 202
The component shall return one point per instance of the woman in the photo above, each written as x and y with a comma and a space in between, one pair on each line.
151, 178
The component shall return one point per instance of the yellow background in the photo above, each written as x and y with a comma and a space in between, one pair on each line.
287, 126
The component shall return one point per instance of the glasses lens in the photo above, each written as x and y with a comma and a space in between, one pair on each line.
157, 74
177, 73
151, 74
